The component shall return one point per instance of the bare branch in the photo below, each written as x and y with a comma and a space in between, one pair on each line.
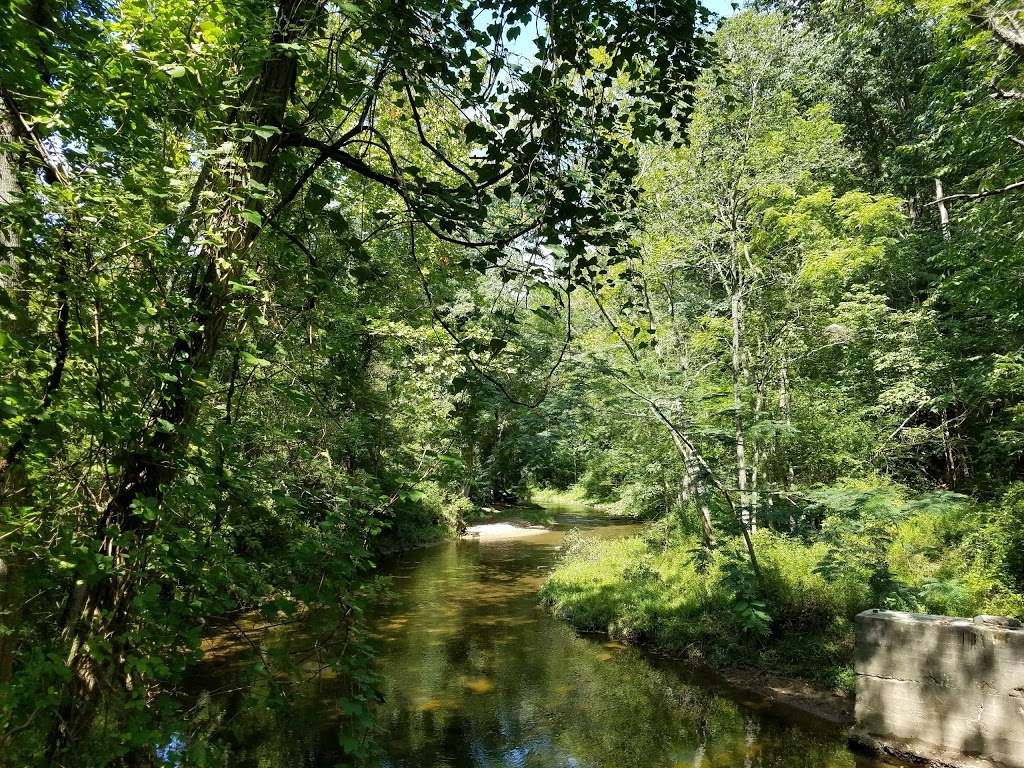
1015, 187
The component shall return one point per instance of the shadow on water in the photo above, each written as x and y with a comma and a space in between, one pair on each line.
475, 673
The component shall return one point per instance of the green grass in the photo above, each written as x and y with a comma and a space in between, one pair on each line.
648, 589
638, 590
577, 495
932, 554
568, 496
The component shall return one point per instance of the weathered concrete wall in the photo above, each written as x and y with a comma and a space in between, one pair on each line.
945, 689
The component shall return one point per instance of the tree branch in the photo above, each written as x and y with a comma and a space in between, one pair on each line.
393, 182
1007, 29
1015, 187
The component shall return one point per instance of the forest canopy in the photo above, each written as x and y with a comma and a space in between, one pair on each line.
286, 287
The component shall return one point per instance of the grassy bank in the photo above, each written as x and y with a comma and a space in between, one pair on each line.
577, 494
933, 556
568, 496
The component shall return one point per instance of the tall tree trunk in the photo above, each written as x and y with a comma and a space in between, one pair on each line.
468, 465
784, 406
739, 375
10, 191
943, 209
702, 470
693, 484
124, 527
755, 469
695, 489
10, 483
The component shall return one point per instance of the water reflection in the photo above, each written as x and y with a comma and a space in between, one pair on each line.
476, 674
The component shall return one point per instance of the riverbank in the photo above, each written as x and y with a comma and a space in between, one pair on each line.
762, 687
446, 519
793, 619
649, 590
759, 688
473, 670
792, 693
461, 648
504, 531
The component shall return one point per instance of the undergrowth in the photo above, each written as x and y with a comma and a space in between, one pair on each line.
933, 554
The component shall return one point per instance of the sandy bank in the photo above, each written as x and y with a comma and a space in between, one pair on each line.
503, 531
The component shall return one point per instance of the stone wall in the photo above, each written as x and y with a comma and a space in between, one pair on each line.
944, 689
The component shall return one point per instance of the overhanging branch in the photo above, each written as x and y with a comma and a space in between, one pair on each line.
1017, 186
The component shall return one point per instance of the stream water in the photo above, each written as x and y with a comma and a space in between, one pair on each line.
476, 674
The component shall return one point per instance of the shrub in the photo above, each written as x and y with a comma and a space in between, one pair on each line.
877, 548
428, 512
798, 593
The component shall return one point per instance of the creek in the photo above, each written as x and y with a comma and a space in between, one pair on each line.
476, 674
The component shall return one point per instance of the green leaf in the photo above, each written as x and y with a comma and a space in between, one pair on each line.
252, 216
266, 131
210, 30
257, 362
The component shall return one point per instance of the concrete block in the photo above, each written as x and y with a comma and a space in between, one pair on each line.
943, 689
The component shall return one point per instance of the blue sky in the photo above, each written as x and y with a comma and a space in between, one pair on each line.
523, 45
721, 7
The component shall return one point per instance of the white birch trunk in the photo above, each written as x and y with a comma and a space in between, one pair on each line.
738, 375
943, 209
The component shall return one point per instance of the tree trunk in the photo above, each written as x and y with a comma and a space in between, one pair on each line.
694, 486
123, 528
10, 483
755, 470
468, 465
739, 374
10, 191
784, 406
943, 209
702, 469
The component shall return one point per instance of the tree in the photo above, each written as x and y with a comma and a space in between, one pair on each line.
191, 185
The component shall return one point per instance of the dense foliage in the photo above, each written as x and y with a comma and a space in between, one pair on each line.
289, 286
822, 343
273, 300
